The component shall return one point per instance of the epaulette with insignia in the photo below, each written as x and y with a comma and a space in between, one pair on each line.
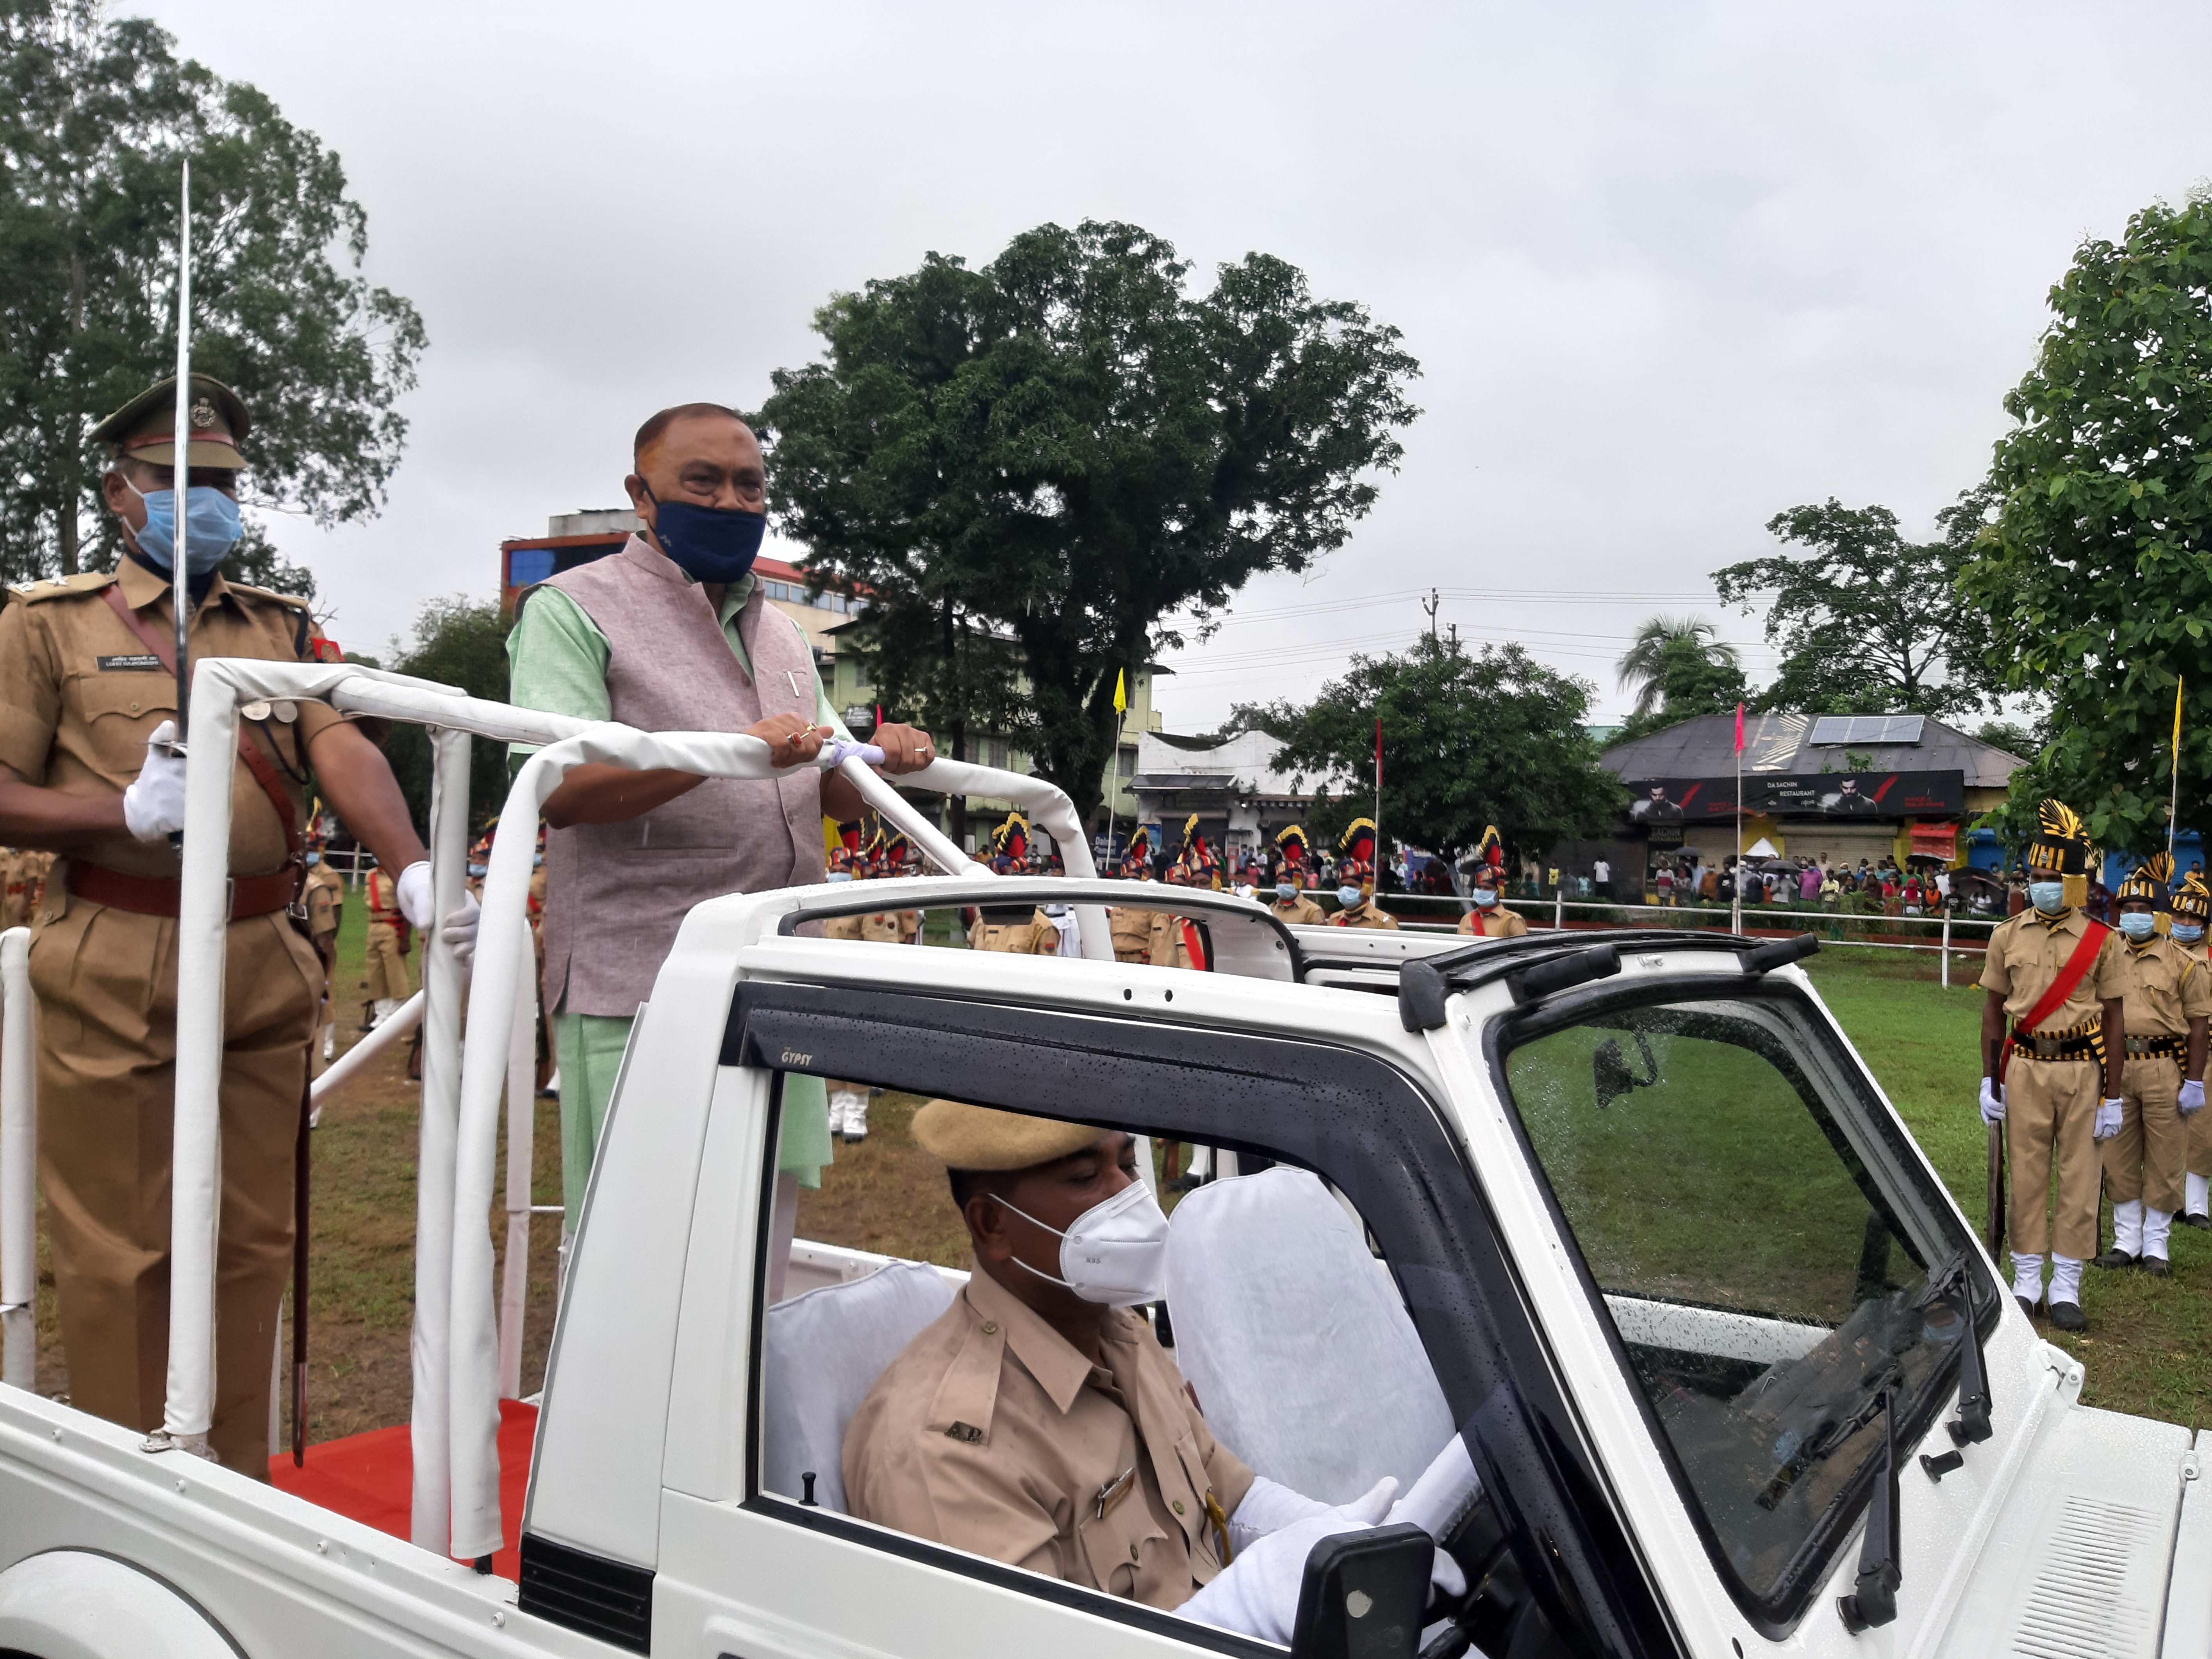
54, 587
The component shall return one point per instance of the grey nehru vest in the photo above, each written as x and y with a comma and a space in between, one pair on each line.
616, 893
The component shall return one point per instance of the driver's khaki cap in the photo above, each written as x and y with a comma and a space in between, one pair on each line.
964, 1137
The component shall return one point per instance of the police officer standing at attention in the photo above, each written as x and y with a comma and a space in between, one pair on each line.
1291, 907
88, 700
1489, 919
2167, 1002
2191, 909
2053, 1046
1355, 880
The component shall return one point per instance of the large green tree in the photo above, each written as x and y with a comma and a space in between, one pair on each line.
1068, 446
95, 118
1866, 621
462, 643
2095, 569
1469, 739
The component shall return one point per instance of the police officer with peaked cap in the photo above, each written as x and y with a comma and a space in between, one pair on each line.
88, 702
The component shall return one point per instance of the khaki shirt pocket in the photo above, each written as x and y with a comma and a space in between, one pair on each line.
1188, 1507
116, 710
1123, 1544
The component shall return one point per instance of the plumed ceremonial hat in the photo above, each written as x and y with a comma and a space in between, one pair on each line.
1490, 852
2061, 845
2193, 898
964, 1137
1291, 838
1011, 839
1358, 841
145, 429
2146, 881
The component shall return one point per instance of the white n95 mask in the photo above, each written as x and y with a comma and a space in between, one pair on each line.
1115, 1252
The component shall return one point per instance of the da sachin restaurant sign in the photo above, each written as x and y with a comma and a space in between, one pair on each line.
1800, 795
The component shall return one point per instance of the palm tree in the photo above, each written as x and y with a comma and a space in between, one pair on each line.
1661, 648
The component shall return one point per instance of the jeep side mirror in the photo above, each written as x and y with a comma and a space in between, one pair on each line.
1609, 1073
1365, 1594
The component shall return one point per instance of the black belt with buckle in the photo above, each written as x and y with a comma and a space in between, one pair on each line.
2156, 1048
2060, 1048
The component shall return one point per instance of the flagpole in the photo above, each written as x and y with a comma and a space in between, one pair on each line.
2173, 754
1381, 847
1736, 888
181, 443
1114, 762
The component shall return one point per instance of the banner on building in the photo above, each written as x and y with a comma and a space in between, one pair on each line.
1935, 841
1800, 795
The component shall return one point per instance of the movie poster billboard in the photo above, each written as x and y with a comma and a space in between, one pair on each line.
1842, 795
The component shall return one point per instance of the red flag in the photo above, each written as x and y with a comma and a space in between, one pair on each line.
1739, 728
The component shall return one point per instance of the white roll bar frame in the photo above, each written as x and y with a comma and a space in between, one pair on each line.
455, 1413
19, 1164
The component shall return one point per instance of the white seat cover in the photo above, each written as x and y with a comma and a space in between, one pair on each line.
822, 1353
1295, 1339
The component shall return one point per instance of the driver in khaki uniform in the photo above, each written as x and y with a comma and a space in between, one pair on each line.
1038, 1421
88, 703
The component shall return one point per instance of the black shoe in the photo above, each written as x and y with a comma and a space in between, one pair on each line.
2068, 1316
2157, 1266
2197, 1218
2026, 1306
2115, 1257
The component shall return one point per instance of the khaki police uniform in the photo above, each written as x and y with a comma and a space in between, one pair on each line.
14, 888
79, 692
2167, 989
1365, 913
388, 939
1166, 945
993, 1434
1497, 923
1298, 911
320, 895
2052, 1100
1036, 937
1131, 929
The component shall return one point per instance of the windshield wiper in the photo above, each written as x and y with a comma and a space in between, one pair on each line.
1875, 1599
1972, 1426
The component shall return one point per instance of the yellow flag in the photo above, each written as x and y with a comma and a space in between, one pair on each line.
1121, 698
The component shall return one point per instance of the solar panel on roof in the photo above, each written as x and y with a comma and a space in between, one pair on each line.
1836, 730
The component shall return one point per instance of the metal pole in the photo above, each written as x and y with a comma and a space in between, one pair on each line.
1947, 950
181, 444
1558, 904
19, 1159
521, 1131
1736, 887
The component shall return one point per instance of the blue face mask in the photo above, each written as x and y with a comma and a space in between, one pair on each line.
313, 858
478, 870
1485, 897
2138, 925
2187, 932
212, 527
1347, 896
710, 543
2048, 896
839, 875
1284, 892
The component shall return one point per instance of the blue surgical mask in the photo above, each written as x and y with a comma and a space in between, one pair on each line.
2137, 925
710, 543
1284, 892
2188, 932
478, 870
2048, 896
839, 875
1485, 897
313, 858
212, 527
1347, 896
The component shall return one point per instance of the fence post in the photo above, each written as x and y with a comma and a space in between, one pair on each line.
1560, 906
1947, 950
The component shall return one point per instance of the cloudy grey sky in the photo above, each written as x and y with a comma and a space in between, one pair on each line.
1668, 269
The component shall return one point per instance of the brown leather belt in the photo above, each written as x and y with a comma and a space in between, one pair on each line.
152, 896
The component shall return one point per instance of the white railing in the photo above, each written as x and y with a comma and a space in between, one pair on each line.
458, 1364
19, 1164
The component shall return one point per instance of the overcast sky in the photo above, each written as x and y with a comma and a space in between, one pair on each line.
1668, 269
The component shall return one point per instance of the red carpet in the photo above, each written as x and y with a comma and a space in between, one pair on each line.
370, 1477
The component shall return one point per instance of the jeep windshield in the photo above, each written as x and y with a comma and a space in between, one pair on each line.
1759, 1236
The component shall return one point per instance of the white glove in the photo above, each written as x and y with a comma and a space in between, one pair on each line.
1257, 1594
153, 804
1447, 1488
2192, 1098
2109, 1119
1992, 1102
415, 902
